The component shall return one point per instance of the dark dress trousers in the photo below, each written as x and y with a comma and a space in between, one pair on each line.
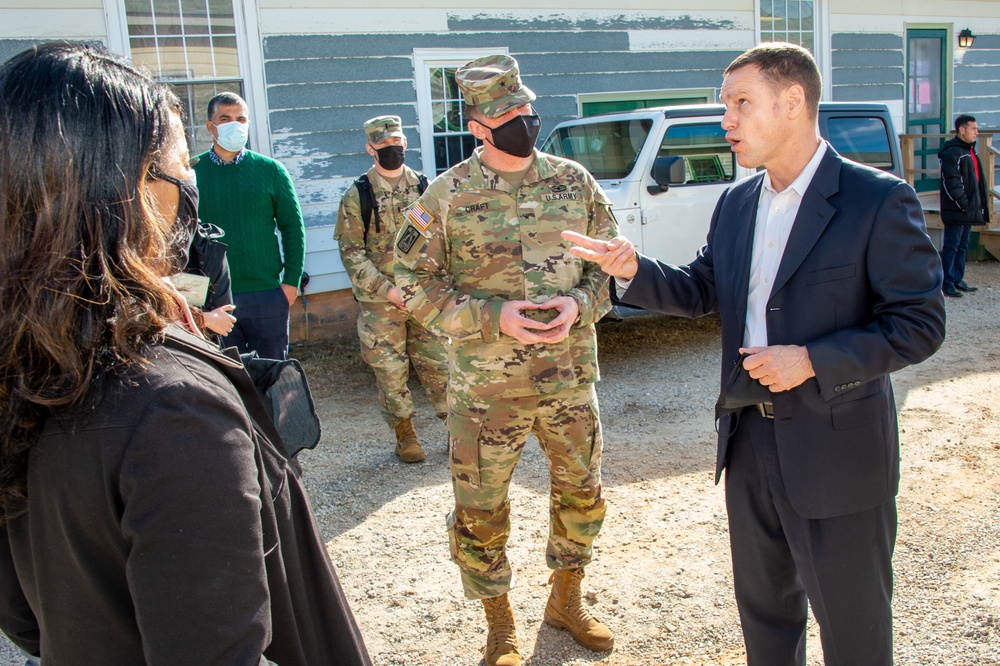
811, 492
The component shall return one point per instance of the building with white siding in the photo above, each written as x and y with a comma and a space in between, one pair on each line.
314, 70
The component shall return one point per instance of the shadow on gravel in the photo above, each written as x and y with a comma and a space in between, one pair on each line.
646, 383
659, 383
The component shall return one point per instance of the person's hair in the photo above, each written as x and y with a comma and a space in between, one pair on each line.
963, 120
224, 99
785, 64
82, 248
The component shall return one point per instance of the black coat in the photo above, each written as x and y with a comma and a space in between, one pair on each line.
963, 195
859, 285
163, 527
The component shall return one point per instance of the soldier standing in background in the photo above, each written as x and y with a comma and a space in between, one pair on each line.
370, 215
481, 261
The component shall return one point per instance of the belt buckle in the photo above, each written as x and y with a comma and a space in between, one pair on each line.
765, 409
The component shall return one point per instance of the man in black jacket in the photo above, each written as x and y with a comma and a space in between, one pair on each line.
963, 201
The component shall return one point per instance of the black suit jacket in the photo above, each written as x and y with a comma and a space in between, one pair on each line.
859, 285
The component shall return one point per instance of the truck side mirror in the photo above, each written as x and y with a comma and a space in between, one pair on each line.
667, 170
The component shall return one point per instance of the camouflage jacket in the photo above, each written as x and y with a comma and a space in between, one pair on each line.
369, 265
472, 243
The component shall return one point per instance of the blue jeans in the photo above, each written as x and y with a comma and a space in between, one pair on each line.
261, 324
953, 247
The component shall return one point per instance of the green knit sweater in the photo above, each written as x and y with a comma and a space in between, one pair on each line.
248, 200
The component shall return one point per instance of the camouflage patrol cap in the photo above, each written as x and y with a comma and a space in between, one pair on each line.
493, 85
383, 127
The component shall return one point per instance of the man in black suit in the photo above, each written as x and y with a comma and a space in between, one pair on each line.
823, 275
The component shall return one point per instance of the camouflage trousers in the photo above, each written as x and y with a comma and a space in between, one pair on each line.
486, 441
390, 341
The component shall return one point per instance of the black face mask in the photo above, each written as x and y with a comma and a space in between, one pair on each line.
186, 226
390, 158
517, 136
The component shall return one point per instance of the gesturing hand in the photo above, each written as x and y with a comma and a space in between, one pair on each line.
616, 257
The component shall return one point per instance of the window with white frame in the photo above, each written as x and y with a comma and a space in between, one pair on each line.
444, 136
191, 44
789, 21
594, 104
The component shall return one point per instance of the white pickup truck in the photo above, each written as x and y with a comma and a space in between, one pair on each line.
665, 168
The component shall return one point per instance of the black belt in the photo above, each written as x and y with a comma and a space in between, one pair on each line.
765, 409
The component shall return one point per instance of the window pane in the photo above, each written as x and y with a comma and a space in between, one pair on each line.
606, 149
924, 75
707, 155
793, 15
173, 59
195, 17
766, 12
144, 53
778, 23
453, 91
227, 63
863, 140
223, 25
168, 17
807, 16
438, 116
437, 83
455, 116
140, 17
199, 58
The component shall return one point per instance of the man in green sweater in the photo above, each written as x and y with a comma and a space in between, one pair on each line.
250, 195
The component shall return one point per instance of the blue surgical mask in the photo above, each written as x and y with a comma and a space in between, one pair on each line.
233, 135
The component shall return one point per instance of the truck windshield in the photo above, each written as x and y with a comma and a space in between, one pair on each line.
607, 150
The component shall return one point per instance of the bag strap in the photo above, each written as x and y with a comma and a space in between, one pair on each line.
366, 197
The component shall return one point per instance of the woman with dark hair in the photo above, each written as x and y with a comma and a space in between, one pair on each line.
146, 515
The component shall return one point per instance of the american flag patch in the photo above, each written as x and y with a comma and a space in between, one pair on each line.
420, 217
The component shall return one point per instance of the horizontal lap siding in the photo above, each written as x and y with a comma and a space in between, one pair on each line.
977, 82
867, 67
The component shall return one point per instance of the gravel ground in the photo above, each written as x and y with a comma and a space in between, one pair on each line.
661, 576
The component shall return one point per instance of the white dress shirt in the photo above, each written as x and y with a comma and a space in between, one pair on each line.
776, 213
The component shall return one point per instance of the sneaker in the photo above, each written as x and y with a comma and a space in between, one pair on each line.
962, 286
950, 290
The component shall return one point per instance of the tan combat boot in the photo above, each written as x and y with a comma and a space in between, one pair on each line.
565, 610
501, 643
407, 445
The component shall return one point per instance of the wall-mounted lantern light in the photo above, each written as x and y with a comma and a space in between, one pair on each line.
965, 39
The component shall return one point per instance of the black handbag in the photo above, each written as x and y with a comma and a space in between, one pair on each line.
740, 390
285, 392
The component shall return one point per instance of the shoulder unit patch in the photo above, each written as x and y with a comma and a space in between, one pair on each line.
407, 239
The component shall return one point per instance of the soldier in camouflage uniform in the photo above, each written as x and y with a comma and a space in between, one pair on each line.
481, 261
390, 338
